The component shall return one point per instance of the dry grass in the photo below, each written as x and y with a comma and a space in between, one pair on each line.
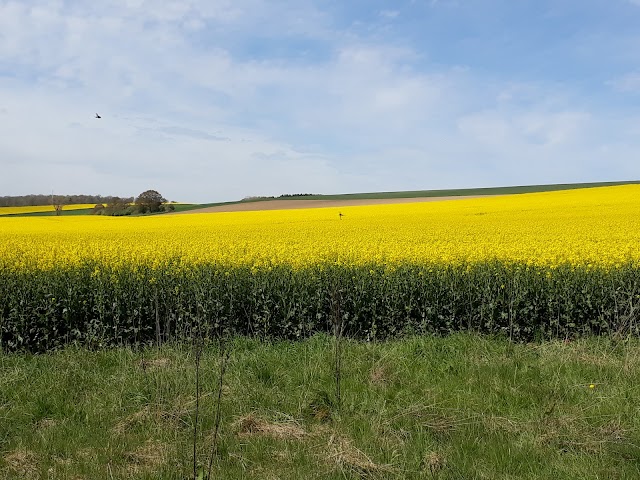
22, 463
379, 375
149, 457
436, 418
159, 415
87, 454
46, 423
572, 433
132, 420
346, 456
434, 462
252, 425
154, 363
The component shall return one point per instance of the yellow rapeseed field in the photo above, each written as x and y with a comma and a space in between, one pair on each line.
596, 226
41, 208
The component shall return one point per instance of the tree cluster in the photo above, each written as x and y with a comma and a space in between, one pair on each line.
115, 207
289, 195
271, 197
147, 202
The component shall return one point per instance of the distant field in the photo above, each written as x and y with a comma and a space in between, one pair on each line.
466, 191
313, 201
44, 209
295, 204
80, 209
351, 199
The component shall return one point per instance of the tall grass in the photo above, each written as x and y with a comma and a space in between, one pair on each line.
465, 406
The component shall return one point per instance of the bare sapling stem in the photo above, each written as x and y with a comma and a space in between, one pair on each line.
337, 338
198, 354
157, 318
223, 361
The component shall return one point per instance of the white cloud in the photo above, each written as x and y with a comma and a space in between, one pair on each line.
187, 111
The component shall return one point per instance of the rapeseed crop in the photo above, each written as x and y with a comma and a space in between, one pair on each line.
591, 227
41, 209
553, 263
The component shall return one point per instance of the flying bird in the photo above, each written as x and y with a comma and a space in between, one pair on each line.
98, 116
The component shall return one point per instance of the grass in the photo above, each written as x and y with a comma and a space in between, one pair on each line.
459, 192
460, 407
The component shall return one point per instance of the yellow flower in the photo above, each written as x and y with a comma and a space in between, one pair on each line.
595, 227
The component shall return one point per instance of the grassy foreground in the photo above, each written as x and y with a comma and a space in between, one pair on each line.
460, 407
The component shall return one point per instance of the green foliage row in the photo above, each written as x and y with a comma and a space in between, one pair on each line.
96, 307
124, 209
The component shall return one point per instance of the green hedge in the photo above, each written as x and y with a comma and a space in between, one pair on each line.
97, 307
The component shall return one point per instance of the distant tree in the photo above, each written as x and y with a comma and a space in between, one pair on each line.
150, 202
58, 202
98, 209
116, 207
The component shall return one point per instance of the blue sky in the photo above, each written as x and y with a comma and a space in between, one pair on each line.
212, 100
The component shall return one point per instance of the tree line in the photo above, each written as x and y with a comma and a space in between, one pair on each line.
149, 201
36, 200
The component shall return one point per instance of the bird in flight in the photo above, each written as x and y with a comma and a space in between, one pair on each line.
98, 116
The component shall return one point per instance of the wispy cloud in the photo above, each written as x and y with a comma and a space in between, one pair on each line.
629, 82
389, 13
217, 100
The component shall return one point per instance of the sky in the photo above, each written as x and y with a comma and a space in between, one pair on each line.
217, 100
